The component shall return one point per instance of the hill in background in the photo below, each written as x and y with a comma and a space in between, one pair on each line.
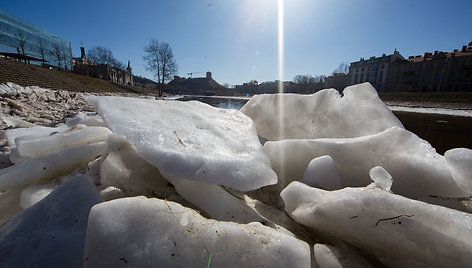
32, 75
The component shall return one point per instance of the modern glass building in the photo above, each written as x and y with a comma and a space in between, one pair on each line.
19, 38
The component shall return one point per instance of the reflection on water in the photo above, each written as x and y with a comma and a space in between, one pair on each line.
443, 132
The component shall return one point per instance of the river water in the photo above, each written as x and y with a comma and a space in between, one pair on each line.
443, 132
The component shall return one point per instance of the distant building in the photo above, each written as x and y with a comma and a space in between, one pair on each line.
144, 82
338, 81
24, 41
86, 67
373, 70
196, 86
269, 87
441, 71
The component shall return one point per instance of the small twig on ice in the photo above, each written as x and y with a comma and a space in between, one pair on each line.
180, 141
392, 218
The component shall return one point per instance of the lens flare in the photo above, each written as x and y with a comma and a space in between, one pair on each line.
280, 101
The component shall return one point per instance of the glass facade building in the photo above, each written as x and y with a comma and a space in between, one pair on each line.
20, 37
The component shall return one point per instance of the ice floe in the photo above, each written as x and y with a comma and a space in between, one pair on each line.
321, 173
398, 230
52, 232
460, 165
324, 114
190, 140
416, 166
186, 184
142, 232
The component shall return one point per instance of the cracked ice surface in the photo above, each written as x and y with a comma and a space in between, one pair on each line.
191, 140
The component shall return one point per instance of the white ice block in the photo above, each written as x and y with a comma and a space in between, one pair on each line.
37, 146
460, 165
144, 232
324, 114
416, 166
48, 167
392, 227
190, 140
322, 173
52, 232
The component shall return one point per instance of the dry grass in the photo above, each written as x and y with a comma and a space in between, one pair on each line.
32, 75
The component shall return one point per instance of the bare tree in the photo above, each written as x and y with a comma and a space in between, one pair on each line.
160, 60
303, 79
21, 40
101, 55
308, 83
57, 53
42, 51
343, 68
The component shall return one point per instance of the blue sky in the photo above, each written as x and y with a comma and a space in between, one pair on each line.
237, 39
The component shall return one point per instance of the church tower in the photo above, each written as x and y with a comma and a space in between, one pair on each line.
129, 75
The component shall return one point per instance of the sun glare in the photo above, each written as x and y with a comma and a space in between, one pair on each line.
281, 76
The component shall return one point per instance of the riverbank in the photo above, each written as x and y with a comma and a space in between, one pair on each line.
445, 124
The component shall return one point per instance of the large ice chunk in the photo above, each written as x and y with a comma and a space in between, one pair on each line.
460, 165
47, 167
83, 119
322, 173
36, 131
324, 114
142, 232
35, 193
37, 146
381, 178
417, 168
396, 229
191, 140
52, 232
218, 203
9, 205
125, 169
328, 256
